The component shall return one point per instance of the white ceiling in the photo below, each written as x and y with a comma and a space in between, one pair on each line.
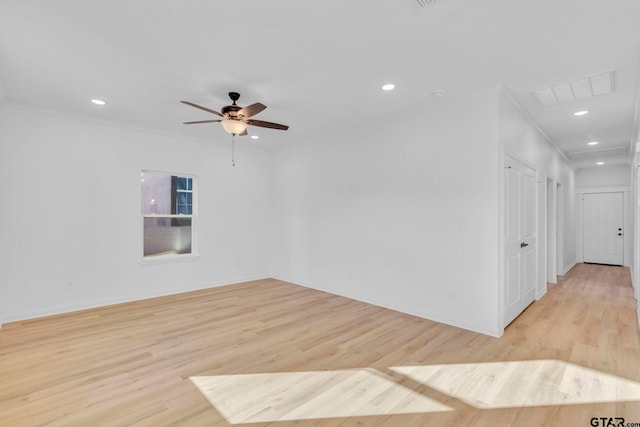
318, 66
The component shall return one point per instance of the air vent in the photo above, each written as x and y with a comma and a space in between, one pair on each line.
424, 3
597, 84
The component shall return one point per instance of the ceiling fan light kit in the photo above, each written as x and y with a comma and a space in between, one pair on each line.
234, 127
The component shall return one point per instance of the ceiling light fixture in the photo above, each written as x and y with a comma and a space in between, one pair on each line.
581, 113
437, 93
388, 86
98, 101
600, 163
255, 137
234, 127
592, 143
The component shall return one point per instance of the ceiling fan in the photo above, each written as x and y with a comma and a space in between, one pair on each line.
236, 118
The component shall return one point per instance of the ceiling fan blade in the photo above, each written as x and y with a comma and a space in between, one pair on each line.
252, 110
267, 124
202, 108
202, 121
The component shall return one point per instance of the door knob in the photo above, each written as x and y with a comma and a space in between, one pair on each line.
524, 245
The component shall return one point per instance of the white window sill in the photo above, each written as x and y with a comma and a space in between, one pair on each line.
166, 259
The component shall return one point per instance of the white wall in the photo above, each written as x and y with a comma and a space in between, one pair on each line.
633, 223
603, 176
401, 213
521, 139
70, 194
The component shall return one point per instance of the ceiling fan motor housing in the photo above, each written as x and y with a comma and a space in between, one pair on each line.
231, 110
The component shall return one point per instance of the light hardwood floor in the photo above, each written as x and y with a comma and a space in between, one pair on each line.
271, 353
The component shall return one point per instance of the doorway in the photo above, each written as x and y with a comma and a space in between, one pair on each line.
552, 231
603, 228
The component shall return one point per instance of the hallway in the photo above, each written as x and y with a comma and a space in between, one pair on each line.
589, 315
589, 319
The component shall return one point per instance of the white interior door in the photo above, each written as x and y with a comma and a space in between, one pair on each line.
603, 234
520, 238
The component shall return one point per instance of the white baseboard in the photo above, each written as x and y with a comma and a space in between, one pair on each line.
50, 311
424, 315
566, 269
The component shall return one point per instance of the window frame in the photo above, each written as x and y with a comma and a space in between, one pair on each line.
151, 259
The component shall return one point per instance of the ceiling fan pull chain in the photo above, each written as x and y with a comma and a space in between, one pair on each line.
233, 150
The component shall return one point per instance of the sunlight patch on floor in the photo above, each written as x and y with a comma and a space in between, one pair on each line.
250, 398
523, 383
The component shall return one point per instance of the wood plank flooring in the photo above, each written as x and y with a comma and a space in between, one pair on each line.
272, 353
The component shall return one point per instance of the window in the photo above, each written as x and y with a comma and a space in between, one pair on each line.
184, 194
168, 219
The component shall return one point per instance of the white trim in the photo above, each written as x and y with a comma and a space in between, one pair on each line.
560, 227
579, 202
620, 189
501, 226
541, 294
565, 270
435, 317
551, 221
518, 159
627, 221
540, 280
171, 258
28, 315
220, 142
529, 118
16, 317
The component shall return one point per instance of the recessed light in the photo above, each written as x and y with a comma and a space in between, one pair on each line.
98, 101
580, 113
592, 143
437, 93
255, 137
388, 86
600, 163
